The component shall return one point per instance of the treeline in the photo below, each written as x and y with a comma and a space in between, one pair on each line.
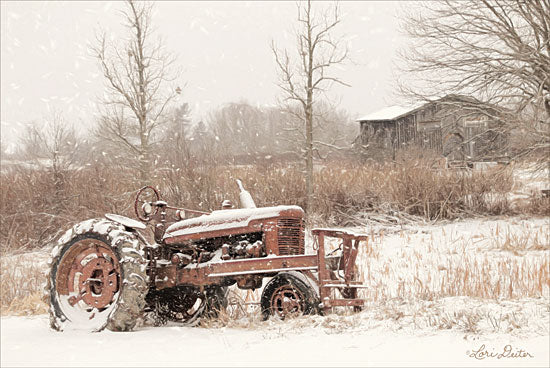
235, 133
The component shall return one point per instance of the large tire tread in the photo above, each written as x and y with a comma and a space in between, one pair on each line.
134, 284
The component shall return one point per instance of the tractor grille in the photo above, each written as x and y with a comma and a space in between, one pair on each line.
291, 236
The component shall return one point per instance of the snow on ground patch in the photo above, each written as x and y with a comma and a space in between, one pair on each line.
28, 341
532, 178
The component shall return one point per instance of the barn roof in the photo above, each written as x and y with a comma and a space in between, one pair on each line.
395, 112
390, 113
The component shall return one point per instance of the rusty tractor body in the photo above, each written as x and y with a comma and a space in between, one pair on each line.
105, 273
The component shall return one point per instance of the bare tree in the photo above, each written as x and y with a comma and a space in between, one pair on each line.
497, 51
332, 129
302, 79
241, 129
136, 72
53, 145
176, 135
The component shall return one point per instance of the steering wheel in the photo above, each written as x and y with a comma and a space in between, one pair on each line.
144, 203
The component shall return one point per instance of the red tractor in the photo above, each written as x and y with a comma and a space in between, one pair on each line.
106, 273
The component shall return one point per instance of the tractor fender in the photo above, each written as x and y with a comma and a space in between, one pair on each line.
125, 221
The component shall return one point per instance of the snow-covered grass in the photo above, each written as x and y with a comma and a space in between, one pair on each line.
526, 317
22, 277
531, 177
475, 276
500, 259
490, 259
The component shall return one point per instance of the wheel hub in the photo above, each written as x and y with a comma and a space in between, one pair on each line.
287, 301
98, 283
89, 273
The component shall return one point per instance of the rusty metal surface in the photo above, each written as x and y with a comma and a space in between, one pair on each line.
290, 235
330, 279
251, 228
287, 301
276, 245
339, 233
214, 273
206, 227
89, 272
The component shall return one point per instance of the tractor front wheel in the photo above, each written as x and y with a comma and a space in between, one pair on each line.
288, 295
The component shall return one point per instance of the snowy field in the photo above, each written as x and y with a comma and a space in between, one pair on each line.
310, 341
462, 293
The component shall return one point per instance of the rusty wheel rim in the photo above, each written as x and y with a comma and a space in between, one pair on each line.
88, 278
286, 301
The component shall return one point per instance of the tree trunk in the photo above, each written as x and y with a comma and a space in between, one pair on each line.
144, 166
309, 117
309, 160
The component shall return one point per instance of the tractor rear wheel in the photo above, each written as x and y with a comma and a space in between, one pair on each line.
97, 278
287, 295
186, 305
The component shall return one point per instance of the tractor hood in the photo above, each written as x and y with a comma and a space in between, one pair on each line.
226, 221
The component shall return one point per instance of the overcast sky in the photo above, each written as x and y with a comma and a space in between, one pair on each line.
222, 49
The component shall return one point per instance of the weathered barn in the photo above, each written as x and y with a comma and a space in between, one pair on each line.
452, 126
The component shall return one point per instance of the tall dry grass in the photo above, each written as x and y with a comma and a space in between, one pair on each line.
510, 265
22, 278
33, 210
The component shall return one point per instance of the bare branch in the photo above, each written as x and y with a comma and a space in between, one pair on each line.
302, 79
136, 74
497, 51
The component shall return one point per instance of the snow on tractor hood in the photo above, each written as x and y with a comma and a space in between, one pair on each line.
228, 219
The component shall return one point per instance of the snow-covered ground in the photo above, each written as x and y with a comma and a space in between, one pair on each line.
27, 341
529, 181
531, 178
423, 310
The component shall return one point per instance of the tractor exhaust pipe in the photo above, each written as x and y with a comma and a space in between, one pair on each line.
245, 197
